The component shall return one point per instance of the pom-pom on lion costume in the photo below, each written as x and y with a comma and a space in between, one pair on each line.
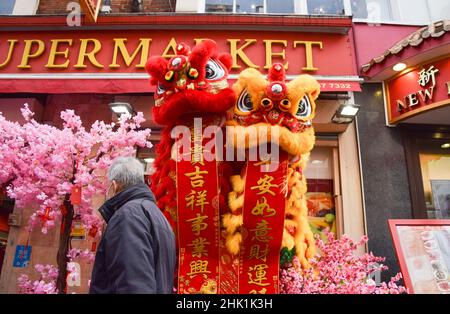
288, 108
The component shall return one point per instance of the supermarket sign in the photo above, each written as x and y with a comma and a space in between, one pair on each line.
121, 55
422, 89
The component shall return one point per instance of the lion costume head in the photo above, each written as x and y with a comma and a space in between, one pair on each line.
193, 81
285, 110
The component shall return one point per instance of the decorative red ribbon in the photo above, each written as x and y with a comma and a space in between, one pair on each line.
198, 220
263, 224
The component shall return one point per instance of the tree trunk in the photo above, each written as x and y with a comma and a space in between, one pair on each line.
64, 241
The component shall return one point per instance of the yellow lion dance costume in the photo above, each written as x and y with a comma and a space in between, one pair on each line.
290, 108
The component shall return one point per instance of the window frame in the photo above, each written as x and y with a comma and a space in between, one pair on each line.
12, 9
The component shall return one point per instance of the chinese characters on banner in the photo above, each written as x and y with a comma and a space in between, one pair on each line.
198, 220
263, 227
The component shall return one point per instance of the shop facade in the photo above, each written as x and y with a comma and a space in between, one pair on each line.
87, 68
403, 126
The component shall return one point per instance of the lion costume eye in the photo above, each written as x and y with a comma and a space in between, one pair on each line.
160, 89
244, 102
304, 108
214, 71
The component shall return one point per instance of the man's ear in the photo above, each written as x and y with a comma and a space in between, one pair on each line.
116, 187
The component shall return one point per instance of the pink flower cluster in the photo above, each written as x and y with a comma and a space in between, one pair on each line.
46, 284
337, 270
86, 255
41, 164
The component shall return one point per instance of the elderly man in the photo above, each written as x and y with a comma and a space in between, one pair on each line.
137, 251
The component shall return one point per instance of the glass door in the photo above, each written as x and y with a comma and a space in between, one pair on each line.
427, 150
323, 196
434, 156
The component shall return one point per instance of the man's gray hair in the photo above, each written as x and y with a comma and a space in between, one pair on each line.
126, 171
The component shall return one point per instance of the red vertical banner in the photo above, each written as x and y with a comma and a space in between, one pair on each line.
198, 219
263, 225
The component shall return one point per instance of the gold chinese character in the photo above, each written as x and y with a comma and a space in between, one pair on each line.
262, 232
201, 200
426, 75
258, 276
258, 253
262, 291
197, 198
196, 177
198, 247
198, 267
197, 154
197, 224
264, 185
267, 163
259, 209
190, 199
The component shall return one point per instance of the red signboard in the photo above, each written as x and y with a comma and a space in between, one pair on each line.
425, 88
91, 61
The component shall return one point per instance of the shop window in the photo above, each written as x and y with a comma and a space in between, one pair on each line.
410, 11
280, 6
439, 10
427, 152
403, 11
435, 169
253, 6
372, 10
219, 6
322, 176
327, 7
7, 7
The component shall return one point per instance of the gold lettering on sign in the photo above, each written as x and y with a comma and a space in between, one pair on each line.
90, 55
309, 53
54, 53
27, 54
448, 88
239, 52
12, 43
120, 46
270, 54
172, 45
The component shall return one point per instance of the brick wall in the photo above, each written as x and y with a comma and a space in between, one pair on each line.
117, 6
53, 6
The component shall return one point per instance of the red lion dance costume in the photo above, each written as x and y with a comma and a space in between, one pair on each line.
191, 86
231, 218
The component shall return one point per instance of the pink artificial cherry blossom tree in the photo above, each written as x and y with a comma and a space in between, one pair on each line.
58, 171
337, 270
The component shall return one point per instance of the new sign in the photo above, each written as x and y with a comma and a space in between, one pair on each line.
422, 89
